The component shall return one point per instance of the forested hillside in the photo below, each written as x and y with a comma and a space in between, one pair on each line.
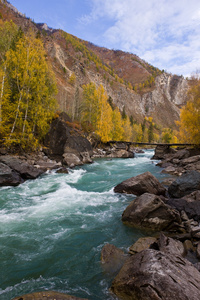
114, 94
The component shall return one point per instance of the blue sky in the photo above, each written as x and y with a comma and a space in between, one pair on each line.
166, 33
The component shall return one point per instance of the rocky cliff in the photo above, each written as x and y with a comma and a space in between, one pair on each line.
117, 71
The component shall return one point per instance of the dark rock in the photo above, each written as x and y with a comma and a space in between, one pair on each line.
62, 170
142, 244
161, 151
47, 295
153, 274
198, 250
181, 154
64, 139
185, 184
112, 258
8, 177
151, 213
25, 170
143, 183
190, 160
197, 266
190, 204
188, 246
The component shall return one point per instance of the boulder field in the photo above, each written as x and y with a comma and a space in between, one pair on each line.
166, 265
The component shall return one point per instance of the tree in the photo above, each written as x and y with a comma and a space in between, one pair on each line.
8, 32
189, 123
31, 104
150, 132
127, 130
96, 112
117, 126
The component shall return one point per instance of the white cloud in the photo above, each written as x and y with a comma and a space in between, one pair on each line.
165, 32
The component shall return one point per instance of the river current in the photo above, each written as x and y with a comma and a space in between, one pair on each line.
52, 229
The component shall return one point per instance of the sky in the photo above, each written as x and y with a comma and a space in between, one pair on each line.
165, 33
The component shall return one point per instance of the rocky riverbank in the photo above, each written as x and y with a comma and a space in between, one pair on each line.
159, 266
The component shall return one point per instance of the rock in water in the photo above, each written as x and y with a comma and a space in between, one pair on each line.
8, 176
150, 212
138, 185
47, 295
185, 184
112, 258
153, 274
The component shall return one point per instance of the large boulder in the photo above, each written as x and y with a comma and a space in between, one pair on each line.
8, 176
138, 185
185, 184
153, 274
63, 138
149, 212
47, 295
26, 171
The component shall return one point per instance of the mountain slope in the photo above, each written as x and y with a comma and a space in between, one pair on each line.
133, 85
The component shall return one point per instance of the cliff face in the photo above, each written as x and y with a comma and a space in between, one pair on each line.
117, 71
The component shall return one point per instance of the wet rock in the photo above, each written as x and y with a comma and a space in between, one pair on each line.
112, 258
151, 213
185, 184
142, 244
153, 274
62, 170
190, 204
47, 295
26, 171
71, 160
138, 185
8, 177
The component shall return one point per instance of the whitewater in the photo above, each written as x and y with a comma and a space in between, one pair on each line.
52, 229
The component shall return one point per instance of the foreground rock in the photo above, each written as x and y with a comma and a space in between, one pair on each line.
149, 212
153, 274
138, 185
66, 143
47, 295
185, 184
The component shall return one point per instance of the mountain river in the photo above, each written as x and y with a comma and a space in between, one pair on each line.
52, 229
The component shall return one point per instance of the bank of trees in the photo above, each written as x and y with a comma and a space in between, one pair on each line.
99, 115
190, 115
27, 97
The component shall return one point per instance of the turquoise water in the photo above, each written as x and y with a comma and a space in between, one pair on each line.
52, 229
